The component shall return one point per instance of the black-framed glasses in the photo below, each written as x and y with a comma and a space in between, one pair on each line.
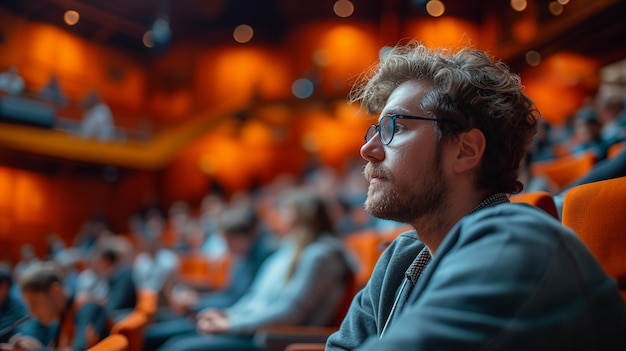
386, 127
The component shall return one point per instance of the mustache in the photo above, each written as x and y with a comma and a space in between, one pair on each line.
371, 171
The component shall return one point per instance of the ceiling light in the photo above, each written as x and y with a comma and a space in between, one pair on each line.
243, 33
555, 8
71, 17
519, 5
343, 8
435, 8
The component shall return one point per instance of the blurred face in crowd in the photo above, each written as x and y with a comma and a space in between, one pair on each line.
102, 266
45, 306
239, 244
406, 179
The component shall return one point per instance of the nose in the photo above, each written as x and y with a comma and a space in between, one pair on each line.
373, 150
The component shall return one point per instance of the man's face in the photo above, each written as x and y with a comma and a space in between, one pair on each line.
44, 306
406, 179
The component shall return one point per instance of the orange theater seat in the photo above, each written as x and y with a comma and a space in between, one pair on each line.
539, 199
113, 342
615, 149
363, 246
132, 327
198, 271
564, 170
597, 213
306, 347
147, 303
279, 337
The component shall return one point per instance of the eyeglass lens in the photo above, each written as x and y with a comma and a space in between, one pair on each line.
385, 128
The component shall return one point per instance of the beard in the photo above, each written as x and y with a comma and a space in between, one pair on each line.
408, 200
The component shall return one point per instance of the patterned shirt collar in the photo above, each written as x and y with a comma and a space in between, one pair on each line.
492, 200
423, 258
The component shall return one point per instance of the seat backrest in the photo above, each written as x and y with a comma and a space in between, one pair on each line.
147, 303
564, 170
363, 246
597, 213
539, 199
132, 327
615, 149
113, 342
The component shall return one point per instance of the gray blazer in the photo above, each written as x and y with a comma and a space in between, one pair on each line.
509, 277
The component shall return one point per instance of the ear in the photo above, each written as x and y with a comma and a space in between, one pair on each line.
470, 149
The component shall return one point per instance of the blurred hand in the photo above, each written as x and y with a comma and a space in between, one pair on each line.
212, 321
184, 301
20, 342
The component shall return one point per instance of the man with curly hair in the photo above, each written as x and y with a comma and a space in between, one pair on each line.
477, 272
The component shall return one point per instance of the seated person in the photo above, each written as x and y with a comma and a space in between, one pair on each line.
613, 117
12, 309
476, 272
302, 283
11, 82
588, 134
109, 282
97, 120
248, 248
52, 92
58, 323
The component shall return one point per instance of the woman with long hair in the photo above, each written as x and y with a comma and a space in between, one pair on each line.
302, 283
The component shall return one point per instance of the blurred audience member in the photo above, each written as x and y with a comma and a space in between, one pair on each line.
88, 235
587, 134
542, 147
182, 226
154, 266
213, 245
613, 117
57, 324
27, 259
54, 245
11, 82
302, 283
12, 309
248, 249
68, 260
108, 282
97, 120
52, 92
146, 224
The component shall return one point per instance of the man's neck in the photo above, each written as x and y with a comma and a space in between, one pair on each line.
432, 229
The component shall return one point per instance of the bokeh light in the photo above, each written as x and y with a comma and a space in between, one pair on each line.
71, 17
555, 8
533, 58
302, 88
343, 8
243, 33
519, 5
147, 39
435, 8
